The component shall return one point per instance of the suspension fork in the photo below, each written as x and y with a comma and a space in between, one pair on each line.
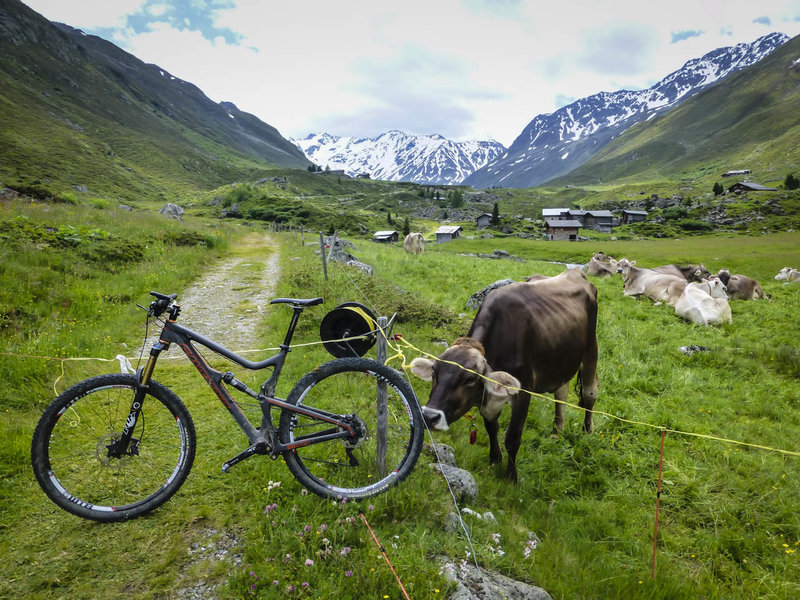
126, 444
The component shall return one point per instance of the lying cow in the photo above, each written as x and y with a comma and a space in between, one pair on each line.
704, 303
689, 272
659, 287
530, 336
788, 274
741, 287
414, 243
601, 265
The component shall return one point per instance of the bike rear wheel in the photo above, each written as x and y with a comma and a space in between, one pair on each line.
72, 449
369, 463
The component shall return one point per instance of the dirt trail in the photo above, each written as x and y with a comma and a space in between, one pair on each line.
227, 303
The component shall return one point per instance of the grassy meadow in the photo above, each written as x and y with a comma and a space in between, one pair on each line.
729, 525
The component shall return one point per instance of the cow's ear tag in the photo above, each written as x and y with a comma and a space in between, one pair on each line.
473, 429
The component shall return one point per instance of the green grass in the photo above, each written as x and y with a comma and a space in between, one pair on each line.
726, 510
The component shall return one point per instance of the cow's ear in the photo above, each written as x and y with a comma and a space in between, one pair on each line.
422, 368
633, 263
506, 384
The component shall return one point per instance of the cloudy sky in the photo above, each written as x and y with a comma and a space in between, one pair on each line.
465, 69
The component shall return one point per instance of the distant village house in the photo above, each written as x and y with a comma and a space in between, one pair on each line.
555, 214
561, 230
483, 220
749, 186
633, 216
445, 233
386, 236
735, 173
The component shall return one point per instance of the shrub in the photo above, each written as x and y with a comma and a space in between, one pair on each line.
694, 225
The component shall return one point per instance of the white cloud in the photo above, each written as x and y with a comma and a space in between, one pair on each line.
466, 68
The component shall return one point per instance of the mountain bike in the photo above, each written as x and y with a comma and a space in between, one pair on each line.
117, 446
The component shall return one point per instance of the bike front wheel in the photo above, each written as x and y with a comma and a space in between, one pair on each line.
77, 459
389, 438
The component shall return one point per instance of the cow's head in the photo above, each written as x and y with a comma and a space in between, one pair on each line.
715, 287
624, 266
699, 272
455, 389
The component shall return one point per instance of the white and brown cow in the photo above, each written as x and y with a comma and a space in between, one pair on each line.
532, 336
414, 243
688, 272
704, 303
741, 287
601, 265
659, 287
788, 274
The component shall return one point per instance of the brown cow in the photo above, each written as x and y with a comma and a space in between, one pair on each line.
741, 287
689, 272
659, 287
532, 336
601, 265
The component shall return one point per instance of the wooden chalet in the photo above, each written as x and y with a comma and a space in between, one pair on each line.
385, 237
559, 230
445, 233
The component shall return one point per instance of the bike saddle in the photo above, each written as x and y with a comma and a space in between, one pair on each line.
297, 301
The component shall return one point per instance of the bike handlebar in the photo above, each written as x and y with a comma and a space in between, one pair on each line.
157, 307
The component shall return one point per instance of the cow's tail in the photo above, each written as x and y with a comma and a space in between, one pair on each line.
579, 388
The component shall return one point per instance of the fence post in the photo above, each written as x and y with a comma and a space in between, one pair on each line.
324, 256
382, 408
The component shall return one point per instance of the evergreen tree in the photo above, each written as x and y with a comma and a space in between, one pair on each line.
495, 215
791, 182
718, 189
406, 226
389, 217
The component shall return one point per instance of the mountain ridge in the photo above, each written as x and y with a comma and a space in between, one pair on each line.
398, 156
554, 144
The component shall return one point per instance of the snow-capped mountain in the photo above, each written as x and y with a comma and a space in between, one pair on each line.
554, 144
398, 156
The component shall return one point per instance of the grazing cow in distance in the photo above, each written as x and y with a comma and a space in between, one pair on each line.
532, 336
689, 272
704, 303
601, 265
788, 274
741, 287
414, 243
659, 287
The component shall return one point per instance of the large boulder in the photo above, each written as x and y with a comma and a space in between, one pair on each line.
173, 211
473, 583
474, 302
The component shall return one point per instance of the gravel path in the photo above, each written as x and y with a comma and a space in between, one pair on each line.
227, 303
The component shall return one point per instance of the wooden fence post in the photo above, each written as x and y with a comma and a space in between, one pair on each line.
324, 256
382, 408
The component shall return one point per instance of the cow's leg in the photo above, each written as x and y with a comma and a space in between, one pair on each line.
519, 413
495, 454
560, 396
589, 386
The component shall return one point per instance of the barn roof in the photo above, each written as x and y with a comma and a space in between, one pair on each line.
384, 233
556, 224
553, 212
449, 229
634, 212
598, 213
756, 187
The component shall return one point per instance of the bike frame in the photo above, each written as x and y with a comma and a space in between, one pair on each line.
263, 440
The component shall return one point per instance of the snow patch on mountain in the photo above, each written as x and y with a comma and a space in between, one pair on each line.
398, 156
563, 140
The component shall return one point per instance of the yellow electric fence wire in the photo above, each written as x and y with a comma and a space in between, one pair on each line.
603, 413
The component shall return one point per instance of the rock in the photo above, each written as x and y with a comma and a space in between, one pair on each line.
81, 188
462, 483
124, 207
441, 452
173, 211
500, 253
473, 583
234, 212
474, 302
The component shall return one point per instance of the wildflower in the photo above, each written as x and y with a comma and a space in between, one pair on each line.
370, 507
289, 589
307, 528
323, 527
304, 492
304, 584
348, 573
252, 574
275, 582
345, 551
252, 586
309, 562
496, 538
287, 558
